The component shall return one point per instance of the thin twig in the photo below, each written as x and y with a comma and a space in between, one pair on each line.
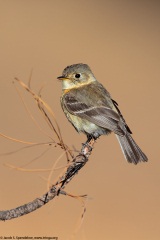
30, 114
43, 106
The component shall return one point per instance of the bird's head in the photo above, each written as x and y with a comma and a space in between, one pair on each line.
76, 75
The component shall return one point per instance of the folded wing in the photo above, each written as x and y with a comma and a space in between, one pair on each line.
102, 116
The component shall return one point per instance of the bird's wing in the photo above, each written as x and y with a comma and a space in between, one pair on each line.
122, 118
102, 116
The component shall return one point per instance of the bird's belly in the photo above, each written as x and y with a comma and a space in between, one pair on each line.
83, 125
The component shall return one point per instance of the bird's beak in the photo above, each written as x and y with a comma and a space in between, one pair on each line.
62, 78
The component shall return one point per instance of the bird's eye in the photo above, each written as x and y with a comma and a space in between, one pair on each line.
77, 75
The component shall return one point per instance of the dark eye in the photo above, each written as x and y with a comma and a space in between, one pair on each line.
77, 75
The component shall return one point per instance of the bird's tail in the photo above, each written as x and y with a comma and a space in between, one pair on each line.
130, 149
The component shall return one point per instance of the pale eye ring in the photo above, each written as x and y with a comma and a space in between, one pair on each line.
77, 75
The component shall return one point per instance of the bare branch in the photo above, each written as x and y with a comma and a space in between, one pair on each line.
77, 163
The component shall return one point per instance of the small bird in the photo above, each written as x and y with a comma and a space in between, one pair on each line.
90, 109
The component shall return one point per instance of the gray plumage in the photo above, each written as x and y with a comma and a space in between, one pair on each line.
91, 110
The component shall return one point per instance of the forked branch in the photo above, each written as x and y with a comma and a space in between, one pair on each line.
58, 188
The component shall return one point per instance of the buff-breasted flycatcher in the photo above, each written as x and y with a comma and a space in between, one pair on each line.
91, 110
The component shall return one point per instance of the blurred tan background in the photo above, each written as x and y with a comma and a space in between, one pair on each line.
120, 41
